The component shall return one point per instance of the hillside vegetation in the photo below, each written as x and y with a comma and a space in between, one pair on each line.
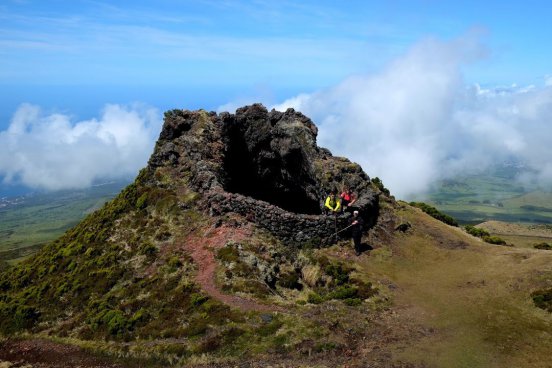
178, 270
438, 297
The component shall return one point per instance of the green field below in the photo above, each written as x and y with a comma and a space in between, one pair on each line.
495, 195
40, 218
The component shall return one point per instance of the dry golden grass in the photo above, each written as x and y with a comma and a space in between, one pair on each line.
506, 228
463, 306
311, 274
519, 235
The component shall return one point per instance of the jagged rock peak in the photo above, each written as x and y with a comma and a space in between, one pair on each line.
255, 163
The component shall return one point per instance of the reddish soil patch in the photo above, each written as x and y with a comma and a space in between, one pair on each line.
46, 354
202, 247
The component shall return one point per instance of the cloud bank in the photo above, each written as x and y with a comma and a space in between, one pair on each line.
417, 121
51, 152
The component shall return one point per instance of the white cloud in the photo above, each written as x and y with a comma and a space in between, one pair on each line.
416, 121
51, 152
391, 122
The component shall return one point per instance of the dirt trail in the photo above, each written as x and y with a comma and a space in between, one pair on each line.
202, 248
37, 353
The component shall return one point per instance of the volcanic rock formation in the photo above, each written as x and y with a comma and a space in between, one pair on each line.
262, 165
216, 226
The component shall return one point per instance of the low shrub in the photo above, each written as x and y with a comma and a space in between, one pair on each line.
365, 290
141, 201
209, 344
270, 328
197, 299
543, 246
494, 240
484, 235
243, 270
352, 302
379, 184
148, 249
339, 272
435, 213
312, 243
325, 346
232, 334
15, 317
228, 254
257, 288
196, 326
343, 292
543, 299
314, 298
115, 322
289, 280
475, 231
337, 283
180, 350
174, 263
140, 317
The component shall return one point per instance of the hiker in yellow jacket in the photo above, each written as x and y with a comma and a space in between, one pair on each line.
333, 203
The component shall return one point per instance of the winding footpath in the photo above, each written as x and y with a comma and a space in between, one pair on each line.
202, 248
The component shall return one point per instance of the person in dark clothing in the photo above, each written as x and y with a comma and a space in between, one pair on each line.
357, 224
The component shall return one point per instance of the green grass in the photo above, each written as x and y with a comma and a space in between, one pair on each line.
42, 218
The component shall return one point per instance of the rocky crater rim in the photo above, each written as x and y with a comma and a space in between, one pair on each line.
265, 166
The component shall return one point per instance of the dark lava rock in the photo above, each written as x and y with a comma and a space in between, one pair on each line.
264, 166
403, 227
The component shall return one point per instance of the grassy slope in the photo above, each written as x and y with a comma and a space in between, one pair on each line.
452, 301
44, 217
103, 280
474, 303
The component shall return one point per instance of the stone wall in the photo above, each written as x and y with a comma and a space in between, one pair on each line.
291, 228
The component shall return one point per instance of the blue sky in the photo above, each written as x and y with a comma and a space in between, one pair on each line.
74, 57
204, 53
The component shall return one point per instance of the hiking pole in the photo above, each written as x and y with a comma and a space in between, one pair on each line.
335, 225
337, 232
345, 228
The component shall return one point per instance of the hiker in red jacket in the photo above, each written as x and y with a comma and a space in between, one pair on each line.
348, 198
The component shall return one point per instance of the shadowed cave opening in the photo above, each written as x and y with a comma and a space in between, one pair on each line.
265, 174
